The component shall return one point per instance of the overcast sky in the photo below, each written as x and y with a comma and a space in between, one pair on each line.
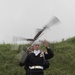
22, 18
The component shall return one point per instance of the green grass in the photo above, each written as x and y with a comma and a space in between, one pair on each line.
63, 62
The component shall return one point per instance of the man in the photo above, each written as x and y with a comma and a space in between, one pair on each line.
34, 60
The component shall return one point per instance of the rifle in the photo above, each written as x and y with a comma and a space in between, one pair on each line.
52, 22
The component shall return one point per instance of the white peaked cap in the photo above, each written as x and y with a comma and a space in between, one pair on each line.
36, 42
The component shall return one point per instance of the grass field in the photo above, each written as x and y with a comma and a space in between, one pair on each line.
63, 62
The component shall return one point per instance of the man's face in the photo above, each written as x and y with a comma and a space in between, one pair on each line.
36, 47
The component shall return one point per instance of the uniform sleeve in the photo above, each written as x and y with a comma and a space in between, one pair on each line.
49, 54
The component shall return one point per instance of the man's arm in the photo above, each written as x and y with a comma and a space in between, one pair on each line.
49, 53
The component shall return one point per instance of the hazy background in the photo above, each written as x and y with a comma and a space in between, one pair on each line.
23, 17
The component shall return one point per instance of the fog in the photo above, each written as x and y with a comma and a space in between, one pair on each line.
21, 18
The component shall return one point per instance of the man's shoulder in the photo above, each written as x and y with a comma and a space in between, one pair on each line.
30, 54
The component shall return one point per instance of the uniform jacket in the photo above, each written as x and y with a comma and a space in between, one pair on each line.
33, 60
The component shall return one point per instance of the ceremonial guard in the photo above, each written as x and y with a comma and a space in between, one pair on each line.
35, 60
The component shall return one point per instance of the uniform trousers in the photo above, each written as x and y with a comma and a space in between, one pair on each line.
37, 72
